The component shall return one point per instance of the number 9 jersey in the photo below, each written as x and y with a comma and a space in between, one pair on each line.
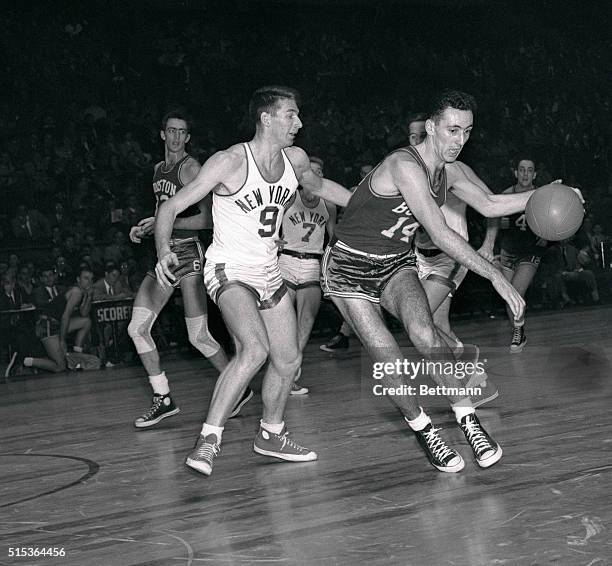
247, 222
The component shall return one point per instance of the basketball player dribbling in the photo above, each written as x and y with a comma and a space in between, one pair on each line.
521, 250
252, 184
372, 265
169, 177
303, 231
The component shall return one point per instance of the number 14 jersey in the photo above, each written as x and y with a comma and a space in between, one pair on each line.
246, 223
382, 225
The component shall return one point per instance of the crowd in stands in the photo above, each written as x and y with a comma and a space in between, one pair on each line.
81, 114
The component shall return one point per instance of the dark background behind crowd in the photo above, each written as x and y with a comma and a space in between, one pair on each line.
86, 83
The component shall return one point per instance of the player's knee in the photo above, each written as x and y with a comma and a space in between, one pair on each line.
254, 350
200, 337
139, 329
422, 335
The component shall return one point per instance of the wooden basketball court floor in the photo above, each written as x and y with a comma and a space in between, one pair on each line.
75, 474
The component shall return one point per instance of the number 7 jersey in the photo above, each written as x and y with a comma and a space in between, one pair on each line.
247, 222
382, 225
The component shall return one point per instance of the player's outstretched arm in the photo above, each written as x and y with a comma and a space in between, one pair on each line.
213, 172
320, 186
469, 188
412, 183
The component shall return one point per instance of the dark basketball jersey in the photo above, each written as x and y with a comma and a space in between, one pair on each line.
379, 224
166, 183
517, 238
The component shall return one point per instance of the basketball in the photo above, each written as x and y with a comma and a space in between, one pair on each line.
554, 212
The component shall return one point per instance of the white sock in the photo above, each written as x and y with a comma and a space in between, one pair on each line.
420, 422
210, 429
273, 428
77, 349
520, 322
28, 362
463, 408
159, 383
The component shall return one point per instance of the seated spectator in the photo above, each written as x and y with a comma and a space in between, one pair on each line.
110, 286
59, 217
118, 251
29, 224
25, 284
65, 274
570, 265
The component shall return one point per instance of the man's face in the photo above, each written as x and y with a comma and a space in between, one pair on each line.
85, 280
416, 132
450, 133
48, 278
176, 135
284, 121
112, 277
365, 169
317, 168
525, 173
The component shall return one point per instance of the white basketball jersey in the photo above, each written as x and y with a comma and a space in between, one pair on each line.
246, 223
304, 227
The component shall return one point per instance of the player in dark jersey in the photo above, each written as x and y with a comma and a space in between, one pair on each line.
520, 249
372, 265
169, 177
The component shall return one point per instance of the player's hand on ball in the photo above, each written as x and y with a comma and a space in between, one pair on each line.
136, 234
512, 297
163, 272
579, 193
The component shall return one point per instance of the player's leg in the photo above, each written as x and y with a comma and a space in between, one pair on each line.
522, 278
196, 320
285, 358
148, 303
404, 297
82, 326
308, 301
239, 307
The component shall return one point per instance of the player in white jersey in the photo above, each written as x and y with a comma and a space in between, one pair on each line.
303, 231
252, 183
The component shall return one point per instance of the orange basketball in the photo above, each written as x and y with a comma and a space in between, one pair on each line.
554, 212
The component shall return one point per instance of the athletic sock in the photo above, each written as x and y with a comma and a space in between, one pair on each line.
273, 428
77, 349
28, 362
463, 408
420, 422
159, 383
210, 429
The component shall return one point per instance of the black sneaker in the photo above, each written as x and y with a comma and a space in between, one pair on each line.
246, 397
518, 339
202, 457
440, 455
338, 342
486, 450
162, 407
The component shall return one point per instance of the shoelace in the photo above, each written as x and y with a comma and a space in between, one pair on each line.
476, 436
154, 408
517, 334
287, 441
208, 451
437, 446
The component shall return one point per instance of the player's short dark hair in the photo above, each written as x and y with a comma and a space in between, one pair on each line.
179, 114
451, 99
525, 157
266, 98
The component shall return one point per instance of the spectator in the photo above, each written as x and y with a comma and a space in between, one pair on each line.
110, 286
29, 224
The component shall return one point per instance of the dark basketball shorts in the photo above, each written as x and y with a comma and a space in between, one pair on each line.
353, 274
512, 261
190, 254
46, 327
